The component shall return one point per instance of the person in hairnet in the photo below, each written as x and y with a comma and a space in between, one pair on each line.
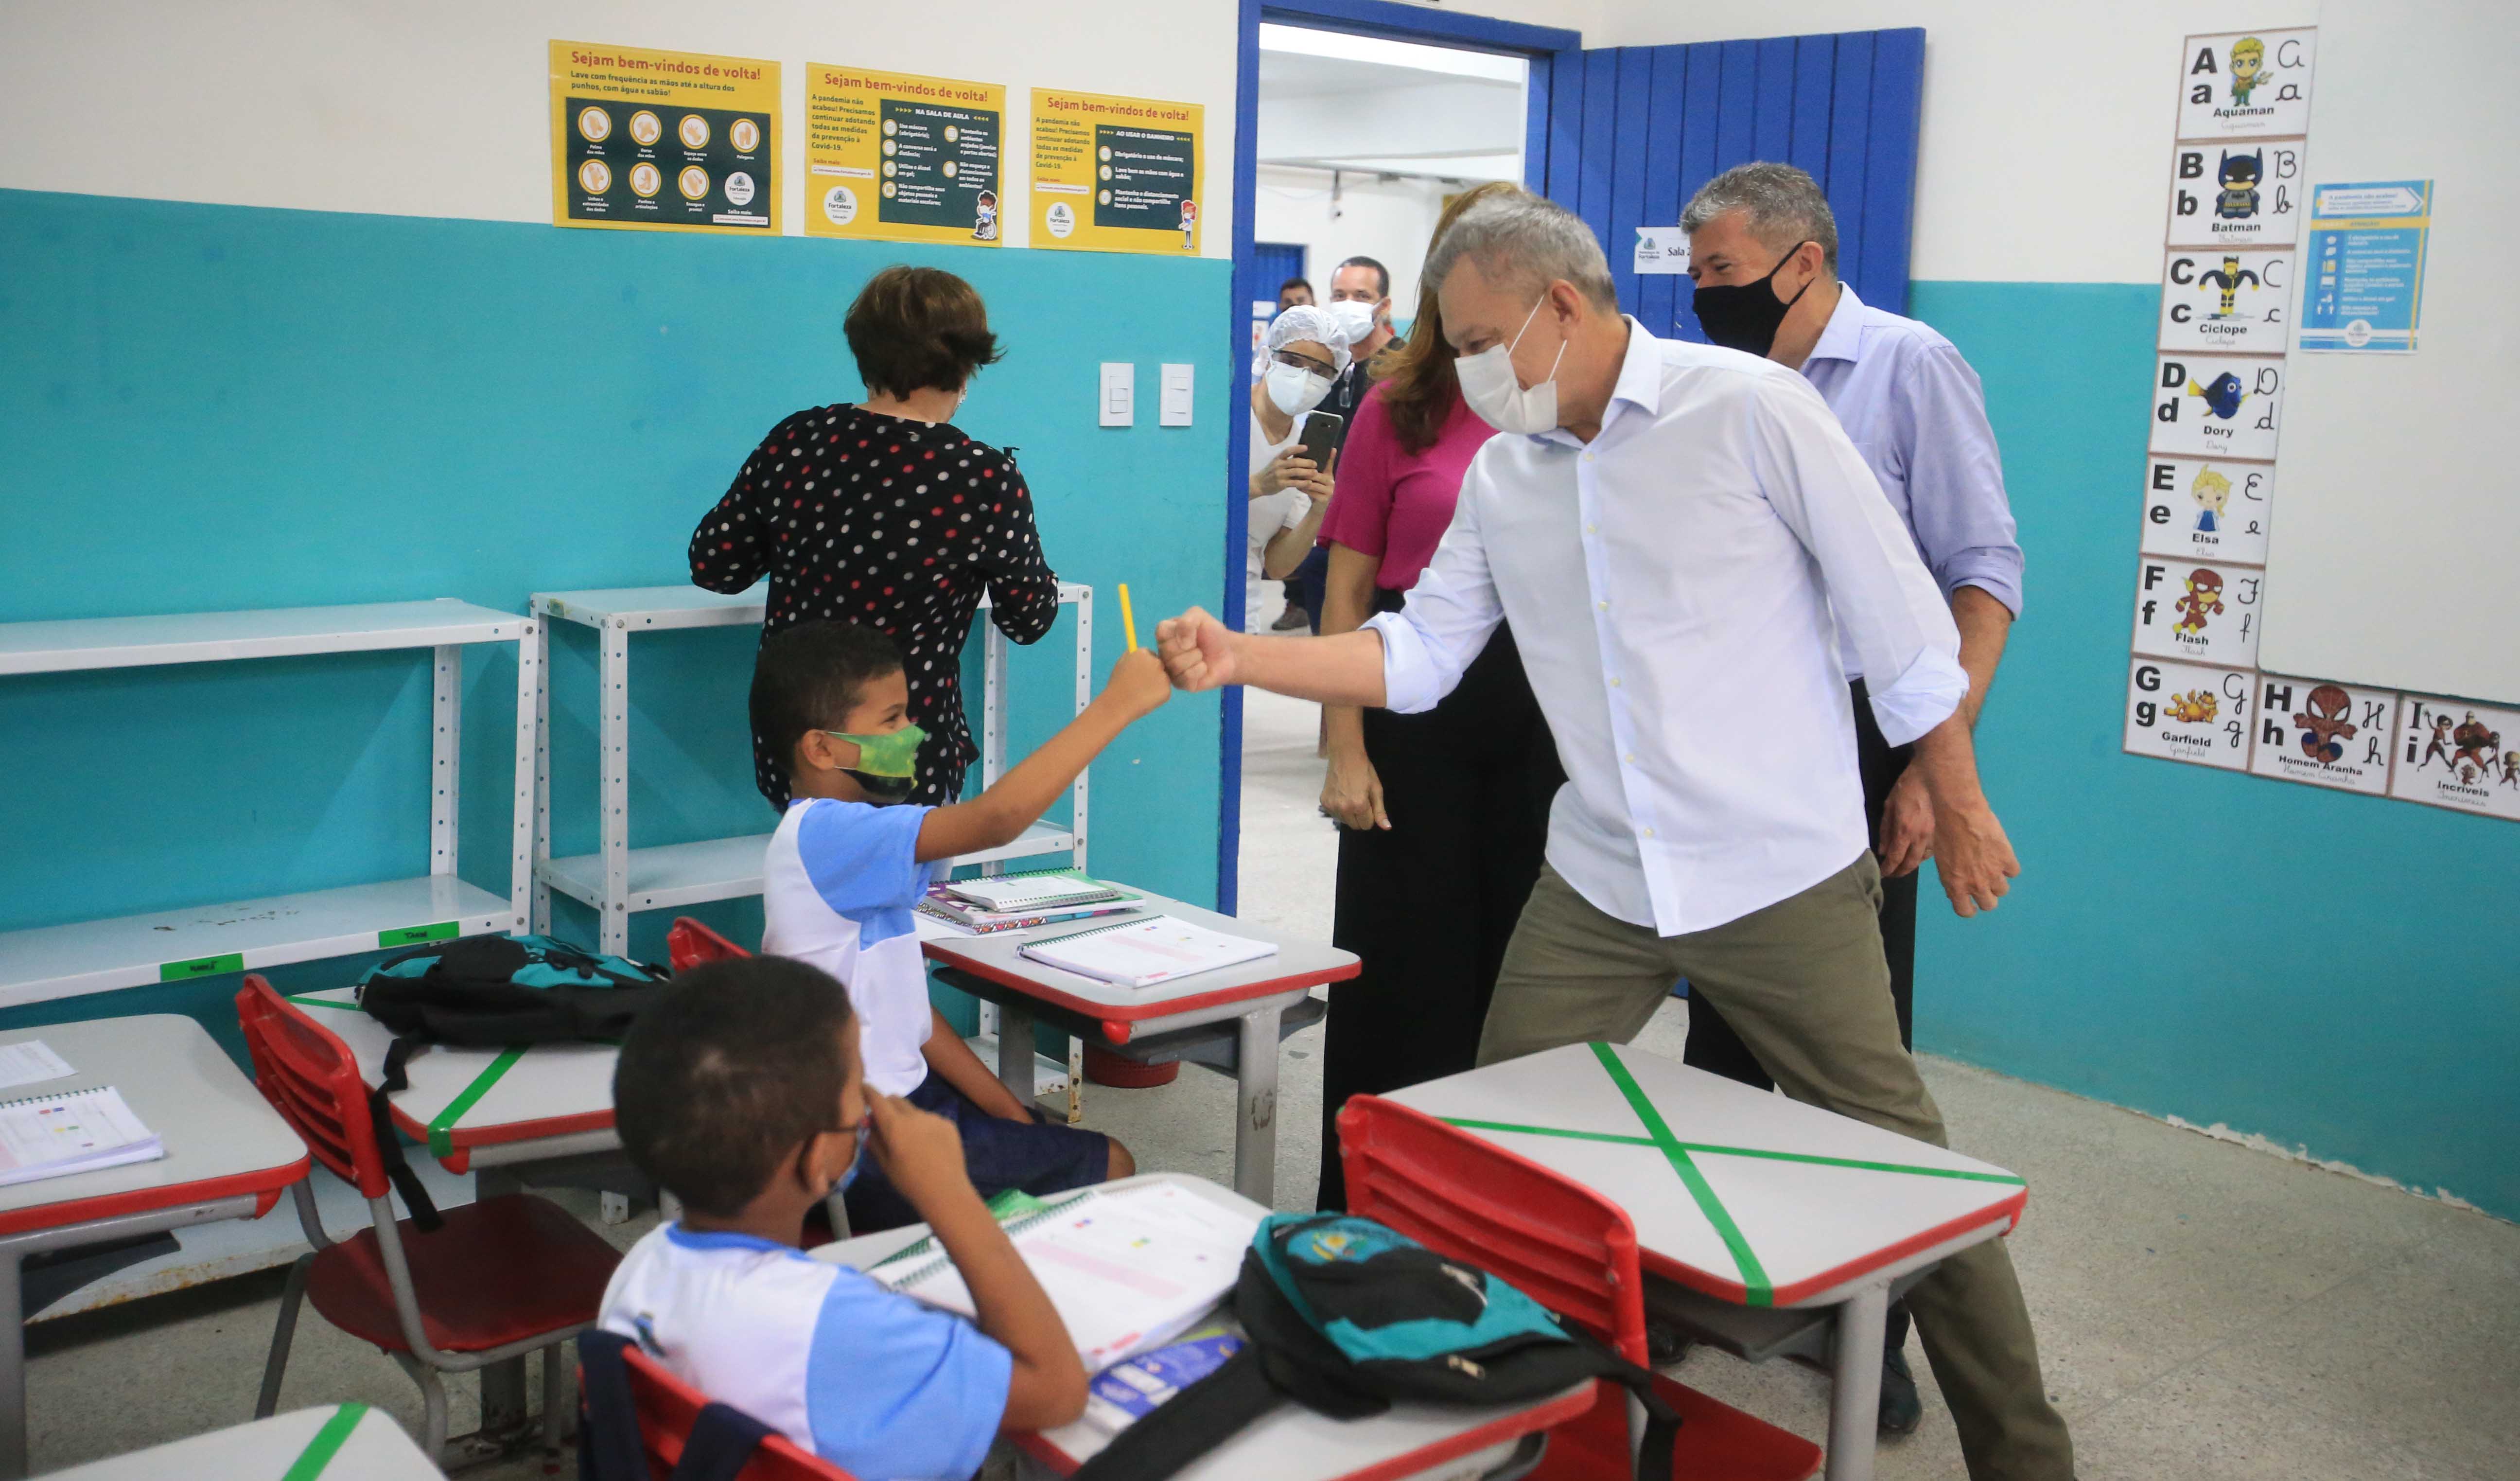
1305, 350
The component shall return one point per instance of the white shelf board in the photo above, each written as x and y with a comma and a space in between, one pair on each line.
662, 608
246, 935
93, 643
674, 875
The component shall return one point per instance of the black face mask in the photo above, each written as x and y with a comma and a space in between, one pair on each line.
882, 792
1745, 316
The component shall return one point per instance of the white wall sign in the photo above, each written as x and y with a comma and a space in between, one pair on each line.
2208, 509
2328, 735
2246, 193
2203, 614
2246, 84
2228, 298
2185, 712
2455, 754
1661, 249
2226, 406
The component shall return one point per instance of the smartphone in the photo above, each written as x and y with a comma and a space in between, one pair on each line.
1323, 431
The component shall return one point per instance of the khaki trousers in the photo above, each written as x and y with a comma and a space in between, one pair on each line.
1804, 983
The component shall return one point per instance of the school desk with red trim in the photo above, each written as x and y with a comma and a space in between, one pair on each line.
477, 1108
337, 1442
1409, 1440
1741, 1194
228, 1156
1200, 1017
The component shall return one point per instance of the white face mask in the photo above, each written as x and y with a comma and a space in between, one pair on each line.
1356, 317
1489, 385
1295, 392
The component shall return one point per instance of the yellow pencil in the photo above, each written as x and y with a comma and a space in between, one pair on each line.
1128, 618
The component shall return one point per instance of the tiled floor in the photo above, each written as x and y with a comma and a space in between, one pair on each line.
2205, 1312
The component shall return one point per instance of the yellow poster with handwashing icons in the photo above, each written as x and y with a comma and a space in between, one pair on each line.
650, 140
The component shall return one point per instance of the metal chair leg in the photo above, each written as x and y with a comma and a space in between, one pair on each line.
558, 1411
282, 1335
432, 1399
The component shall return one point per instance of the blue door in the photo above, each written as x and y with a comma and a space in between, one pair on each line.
1256, 280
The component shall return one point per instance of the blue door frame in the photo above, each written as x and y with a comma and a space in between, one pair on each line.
1547, 48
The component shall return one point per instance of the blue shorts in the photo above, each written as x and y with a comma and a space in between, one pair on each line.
1039, 1157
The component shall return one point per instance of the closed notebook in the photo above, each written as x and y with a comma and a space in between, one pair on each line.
1032, 893
1143, 953
74, 1132
1128, 1270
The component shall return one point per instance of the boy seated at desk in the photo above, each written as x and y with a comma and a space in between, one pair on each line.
850, 860
742, 1092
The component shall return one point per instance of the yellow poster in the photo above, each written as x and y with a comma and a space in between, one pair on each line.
895, 158
662, 141
1115, 174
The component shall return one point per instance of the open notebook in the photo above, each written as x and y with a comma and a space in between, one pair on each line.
74, 1132
1128, 1270
1143, 953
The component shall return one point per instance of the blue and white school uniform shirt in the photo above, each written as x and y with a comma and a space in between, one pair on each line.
838, 890
874, 1382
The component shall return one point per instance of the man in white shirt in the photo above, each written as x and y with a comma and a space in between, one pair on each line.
1668, 536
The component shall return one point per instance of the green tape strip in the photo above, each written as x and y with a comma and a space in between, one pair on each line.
1756, 1288
327, 1444
441, 1144
201, 966
1710, 1147
335, 1004
414, 935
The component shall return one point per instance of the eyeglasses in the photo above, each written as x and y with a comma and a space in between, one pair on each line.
1304, 363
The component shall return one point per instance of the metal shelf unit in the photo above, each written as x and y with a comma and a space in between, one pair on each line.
617, 881
175, 946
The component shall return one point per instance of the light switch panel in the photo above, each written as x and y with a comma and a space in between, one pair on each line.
1174, 409
1119, 401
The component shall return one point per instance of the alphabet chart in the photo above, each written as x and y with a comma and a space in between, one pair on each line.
2231, 286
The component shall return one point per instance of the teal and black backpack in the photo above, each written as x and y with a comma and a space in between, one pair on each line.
492, 992
1344, 1315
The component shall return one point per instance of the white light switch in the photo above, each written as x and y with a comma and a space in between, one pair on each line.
1119, 393
1174, 409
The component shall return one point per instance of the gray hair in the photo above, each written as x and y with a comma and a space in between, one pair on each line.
1527, 239
1783, 206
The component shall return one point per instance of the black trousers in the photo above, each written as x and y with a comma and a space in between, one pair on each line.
1712, 1044
1430, 905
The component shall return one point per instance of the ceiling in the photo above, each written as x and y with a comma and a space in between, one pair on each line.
1333, 101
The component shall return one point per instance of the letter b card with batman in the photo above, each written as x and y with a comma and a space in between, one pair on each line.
2250, 193
2188, 712
2208, 509
2328, 735
2199, 612
2222, 406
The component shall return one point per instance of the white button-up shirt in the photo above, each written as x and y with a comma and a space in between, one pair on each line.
1670, 586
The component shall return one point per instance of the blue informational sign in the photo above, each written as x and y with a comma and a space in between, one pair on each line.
2363, 266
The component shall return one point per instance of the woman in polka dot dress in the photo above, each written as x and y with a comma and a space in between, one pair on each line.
885, 514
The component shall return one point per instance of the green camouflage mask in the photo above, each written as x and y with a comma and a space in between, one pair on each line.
887, 764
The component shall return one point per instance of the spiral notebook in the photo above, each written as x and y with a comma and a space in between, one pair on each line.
1143, 953
1128, 1270
1036, 891
74, 1132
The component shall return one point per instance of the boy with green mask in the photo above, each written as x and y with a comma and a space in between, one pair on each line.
851, 860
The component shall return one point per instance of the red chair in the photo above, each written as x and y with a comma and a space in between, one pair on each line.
667, 1408
689, 944
502, 1277
1568, 1249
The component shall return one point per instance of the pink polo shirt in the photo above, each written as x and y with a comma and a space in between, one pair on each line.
1395, 502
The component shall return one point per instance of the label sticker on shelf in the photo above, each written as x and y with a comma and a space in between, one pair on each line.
413, 935
201, 966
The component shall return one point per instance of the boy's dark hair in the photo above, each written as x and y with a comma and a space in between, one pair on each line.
914, 328
730, 1072
807, 678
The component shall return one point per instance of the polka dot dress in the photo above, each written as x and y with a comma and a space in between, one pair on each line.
896, 525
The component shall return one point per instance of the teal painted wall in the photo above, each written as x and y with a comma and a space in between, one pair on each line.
2336, 972
210, 407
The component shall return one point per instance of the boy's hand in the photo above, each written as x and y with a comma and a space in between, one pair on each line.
920, 1152
1197, 650
1138, 684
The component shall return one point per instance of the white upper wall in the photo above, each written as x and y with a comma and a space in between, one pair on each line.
2044, 154
1388, 220
443, 108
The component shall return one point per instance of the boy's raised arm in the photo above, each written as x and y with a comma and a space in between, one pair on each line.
1000, 814
922, 1155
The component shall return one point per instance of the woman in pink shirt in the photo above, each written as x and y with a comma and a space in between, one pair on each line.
1442, 816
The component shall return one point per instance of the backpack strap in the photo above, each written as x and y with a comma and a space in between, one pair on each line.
721, 1442
399, 1169
1189, 1425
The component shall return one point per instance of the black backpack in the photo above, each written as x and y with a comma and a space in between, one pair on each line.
491, 992
720, 1444
1344, 1315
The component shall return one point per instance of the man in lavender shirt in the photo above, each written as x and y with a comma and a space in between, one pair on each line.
1763, 252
